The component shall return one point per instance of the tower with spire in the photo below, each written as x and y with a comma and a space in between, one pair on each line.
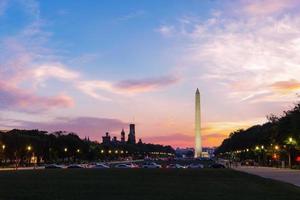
131, 135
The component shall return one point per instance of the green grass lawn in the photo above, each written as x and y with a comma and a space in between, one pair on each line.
142, 184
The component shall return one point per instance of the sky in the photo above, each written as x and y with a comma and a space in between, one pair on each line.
96, 66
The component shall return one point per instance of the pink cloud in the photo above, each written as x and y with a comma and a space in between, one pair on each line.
14, 98
145, 85
286, 86
268, 7
96, 88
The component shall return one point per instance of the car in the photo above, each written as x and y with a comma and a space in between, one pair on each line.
151, 165
126, 166
75, 166
100, 166
195, 166
53, 166
217, 166
176, 166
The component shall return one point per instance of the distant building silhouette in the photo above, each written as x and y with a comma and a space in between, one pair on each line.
131, 135
123, 136
114, 140
106, 139
140, 141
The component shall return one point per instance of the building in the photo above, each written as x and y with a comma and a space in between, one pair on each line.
123, 136
198, 145
106, 139
131, 135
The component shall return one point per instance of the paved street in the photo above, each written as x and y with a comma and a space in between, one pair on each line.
285, 175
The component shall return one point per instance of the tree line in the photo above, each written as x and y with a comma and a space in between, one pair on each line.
278, 133
21, 146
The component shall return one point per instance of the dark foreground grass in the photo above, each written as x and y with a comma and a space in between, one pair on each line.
123, 184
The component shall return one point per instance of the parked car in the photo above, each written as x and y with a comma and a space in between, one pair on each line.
151, 165
74, 166
100, 166
176, 166
195, 166
217, 166
126, 166
53, 166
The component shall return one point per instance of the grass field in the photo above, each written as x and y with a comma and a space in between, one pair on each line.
142, 184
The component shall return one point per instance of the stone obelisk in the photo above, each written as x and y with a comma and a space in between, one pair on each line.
198, 145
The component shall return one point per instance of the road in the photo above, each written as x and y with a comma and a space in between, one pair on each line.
285, 175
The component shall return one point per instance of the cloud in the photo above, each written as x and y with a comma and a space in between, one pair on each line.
85, 126
286, 86
243, 56
145, 85
125, 87
132, 15
166, 30
267, 7
22, 100
91, 88
55, 70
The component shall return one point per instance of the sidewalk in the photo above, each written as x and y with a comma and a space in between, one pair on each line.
285, 175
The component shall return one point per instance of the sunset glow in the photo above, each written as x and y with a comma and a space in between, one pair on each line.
95, 67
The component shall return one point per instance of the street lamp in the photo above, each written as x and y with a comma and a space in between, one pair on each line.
3, 147
29, 148
102, 151
290, 143
65, 149
276, 147
78, 150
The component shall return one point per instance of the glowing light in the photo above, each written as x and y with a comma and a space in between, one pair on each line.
247, 150
122, 152
276, 147
116, 151
257, 148
262, 147
290, 139
65, 149
78, 150
3, 146
29, 148
109, 151
102, 151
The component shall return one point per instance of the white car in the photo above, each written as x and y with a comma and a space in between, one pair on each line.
151, 165
100, 166
195, 166
176, 166
126, 166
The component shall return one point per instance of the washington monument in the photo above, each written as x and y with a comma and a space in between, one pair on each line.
198, 145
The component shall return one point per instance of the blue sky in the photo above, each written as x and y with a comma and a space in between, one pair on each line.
93, 66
